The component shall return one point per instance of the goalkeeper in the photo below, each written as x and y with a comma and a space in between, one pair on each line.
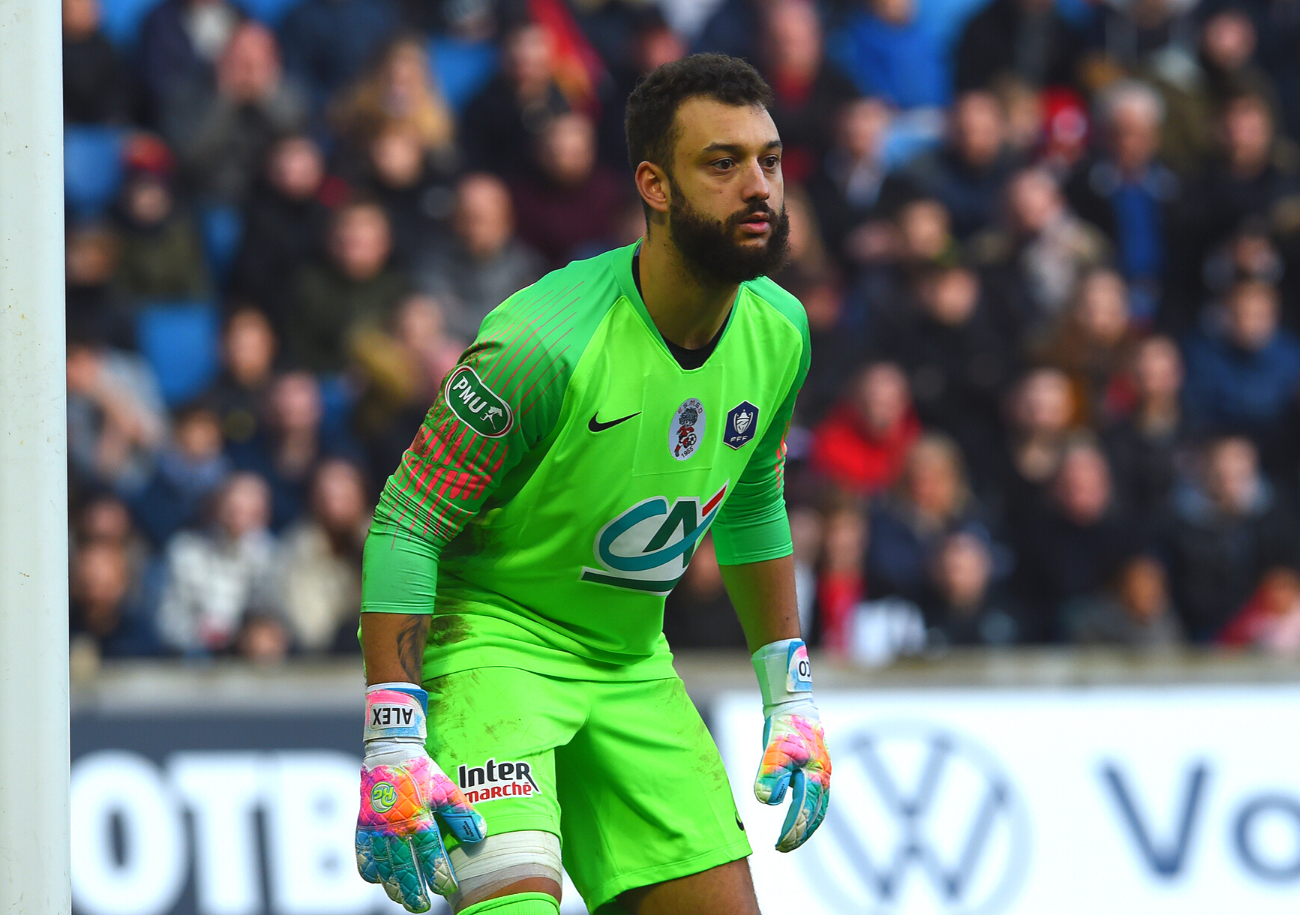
522, 695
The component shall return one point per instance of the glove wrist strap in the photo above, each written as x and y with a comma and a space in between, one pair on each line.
784, 674
396, 711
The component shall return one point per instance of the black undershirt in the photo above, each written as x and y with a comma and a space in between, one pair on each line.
686, 358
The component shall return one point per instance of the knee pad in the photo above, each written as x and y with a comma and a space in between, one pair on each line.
500, 860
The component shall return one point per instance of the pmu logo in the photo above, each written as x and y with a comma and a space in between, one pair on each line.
925, 822
648, 547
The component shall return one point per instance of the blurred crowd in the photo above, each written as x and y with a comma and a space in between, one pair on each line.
1050, 255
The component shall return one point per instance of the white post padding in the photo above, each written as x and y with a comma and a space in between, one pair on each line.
34, 816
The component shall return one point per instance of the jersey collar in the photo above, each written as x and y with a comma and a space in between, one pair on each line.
626, 282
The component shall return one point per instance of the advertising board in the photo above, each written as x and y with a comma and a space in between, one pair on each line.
1159, 801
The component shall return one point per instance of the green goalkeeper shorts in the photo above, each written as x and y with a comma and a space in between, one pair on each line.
625, 773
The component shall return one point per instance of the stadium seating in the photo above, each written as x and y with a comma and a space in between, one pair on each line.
461, 68
180, 340
268, 11
222, 228
123, 19
92, 168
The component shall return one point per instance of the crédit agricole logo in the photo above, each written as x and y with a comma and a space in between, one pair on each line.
648, 547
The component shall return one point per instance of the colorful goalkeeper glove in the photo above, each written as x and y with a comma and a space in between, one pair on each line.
402, 790
794, 744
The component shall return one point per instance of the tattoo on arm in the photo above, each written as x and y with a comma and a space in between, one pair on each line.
410, 646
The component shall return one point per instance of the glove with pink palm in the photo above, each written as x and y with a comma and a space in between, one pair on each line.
402, 791
794, 744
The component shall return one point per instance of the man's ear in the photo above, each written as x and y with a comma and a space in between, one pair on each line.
652, 185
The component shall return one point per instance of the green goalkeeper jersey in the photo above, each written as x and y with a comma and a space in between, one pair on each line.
569, 467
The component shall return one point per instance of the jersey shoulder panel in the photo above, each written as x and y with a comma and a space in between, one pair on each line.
529, 345
788, 307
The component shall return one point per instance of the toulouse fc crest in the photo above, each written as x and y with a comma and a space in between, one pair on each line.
687, 429
742, 425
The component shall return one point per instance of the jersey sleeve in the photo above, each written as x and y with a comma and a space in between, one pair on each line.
502, 398
752, 525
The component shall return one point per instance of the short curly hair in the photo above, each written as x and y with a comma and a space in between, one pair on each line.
650, 121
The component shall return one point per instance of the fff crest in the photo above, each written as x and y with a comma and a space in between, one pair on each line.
742, 425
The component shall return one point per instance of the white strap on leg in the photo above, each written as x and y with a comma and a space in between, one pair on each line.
500, 860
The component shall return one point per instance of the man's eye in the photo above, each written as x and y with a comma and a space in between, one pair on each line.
724, 163
771, 161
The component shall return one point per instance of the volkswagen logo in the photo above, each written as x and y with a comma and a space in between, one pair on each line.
924, 821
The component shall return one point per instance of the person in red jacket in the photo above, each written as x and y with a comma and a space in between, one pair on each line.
862, 445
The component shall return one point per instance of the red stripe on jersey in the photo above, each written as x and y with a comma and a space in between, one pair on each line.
717, 497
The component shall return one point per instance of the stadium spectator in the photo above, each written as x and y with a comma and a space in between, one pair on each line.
96, 82
283, 452
1041, 249
840, 346
105, 517
919, 240
263, 637
503, 122
355, 282
698, 612
216, 576
283, 220
181, 40
957, 360
1093, 344
1128, 194
845, 187
571, 203
1147, 447
842, 582
808, 90
237, 396
1228, 530
1250, 253
891, 52
1270, 619
650, 42
116, 418
1028, 40
968, 173
222, 125
328, 42
1245, 379
1135, 611
399, 367
1040, 416
96, 310
961, 605
806, 532
400, 176
161, 254
1256, 174
863, 444
1229, 41
932, 500
1069, 549
321, 561
484, 262
189, 471
399, 92
103, 615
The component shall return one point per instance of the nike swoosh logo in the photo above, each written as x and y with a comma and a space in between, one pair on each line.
595, 426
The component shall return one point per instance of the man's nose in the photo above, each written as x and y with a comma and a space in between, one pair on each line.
756, 185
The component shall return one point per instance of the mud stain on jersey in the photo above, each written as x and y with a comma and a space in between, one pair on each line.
447, 630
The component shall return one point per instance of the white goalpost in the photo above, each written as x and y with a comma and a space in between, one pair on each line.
34, 815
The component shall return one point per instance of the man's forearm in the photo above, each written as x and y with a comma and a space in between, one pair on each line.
394, 646
764, 597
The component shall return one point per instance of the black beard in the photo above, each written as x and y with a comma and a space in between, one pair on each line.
711, 251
